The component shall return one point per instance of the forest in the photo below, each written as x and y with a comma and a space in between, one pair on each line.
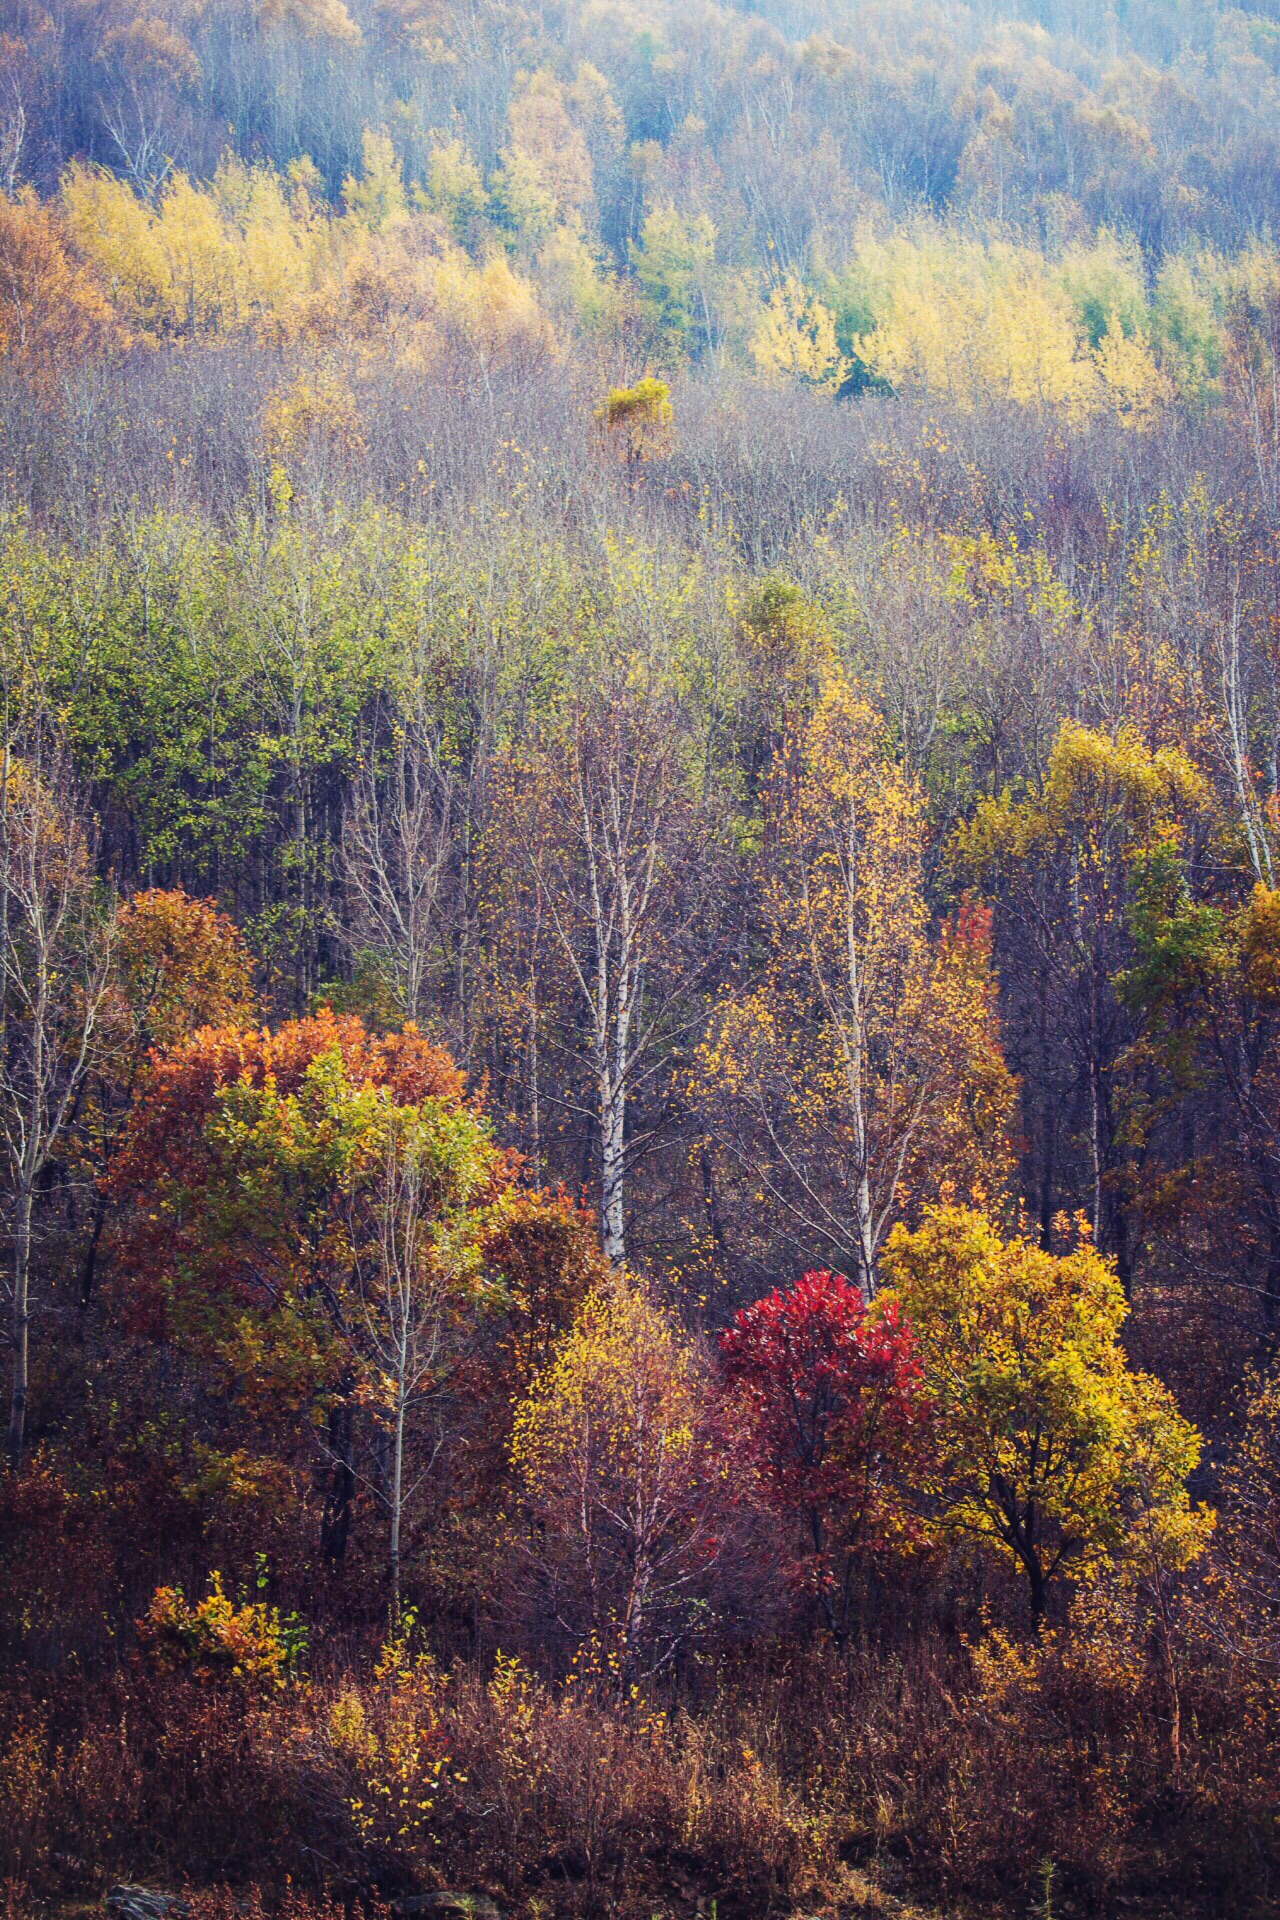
639, 959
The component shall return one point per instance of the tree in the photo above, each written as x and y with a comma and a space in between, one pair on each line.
866, 1070
146, 66
1205, 987
605, 817
1063, 860
24, 56
1048, 1445
317, 19
611, 1448
398, 844
53, 313
547, 140
417, 1268
795, 337
1249, 1527
971, 320
637, 420
376, 200
548, 1254
55, 945
177, 964
302, 1209
118, 233
824, 1412
786, 658
674, 264
455, 186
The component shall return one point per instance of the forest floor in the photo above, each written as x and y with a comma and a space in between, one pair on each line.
861, 1897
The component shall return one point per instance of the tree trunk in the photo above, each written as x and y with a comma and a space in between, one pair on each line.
637, 1604
397, 1498
612, 1185
89, 1272
20, 1326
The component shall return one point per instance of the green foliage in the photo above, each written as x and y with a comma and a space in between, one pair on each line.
404, 629
1179, 942
673, 262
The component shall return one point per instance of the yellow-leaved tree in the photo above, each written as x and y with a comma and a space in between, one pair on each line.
637, 421
1065, 863
973, 323
53, 312
864, 1075
1048, 1447
551, 146
611, 1449
795, 336
376, 198
118, 233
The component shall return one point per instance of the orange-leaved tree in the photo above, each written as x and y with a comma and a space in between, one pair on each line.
177, 964
53, 313
305, 1216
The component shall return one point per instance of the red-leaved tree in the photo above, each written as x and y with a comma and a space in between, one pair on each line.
824, 1409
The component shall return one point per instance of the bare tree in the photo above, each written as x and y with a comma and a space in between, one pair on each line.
13, 128
397, 842
606, 820
402, 1304
55, 937
147, 68
1236, 744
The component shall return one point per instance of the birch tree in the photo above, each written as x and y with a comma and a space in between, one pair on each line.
611, 1448
863, 1063
604, 822
417, 1265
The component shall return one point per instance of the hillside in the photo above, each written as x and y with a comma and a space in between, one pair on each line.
639, 959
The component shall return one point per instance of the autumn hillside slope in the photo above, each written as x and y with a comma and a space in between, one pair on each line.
639, 959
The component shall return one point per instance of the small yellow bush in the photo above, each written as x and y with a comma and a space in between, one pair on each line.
215, 1638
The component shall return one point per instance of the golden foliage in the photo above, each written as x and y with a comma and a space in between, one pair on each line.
866, 1072
215, 1638
974, 322
637, 420
1051, 1450
254, 252
319, 19
320, 410
974, 318
53, 311
545, 137
609, 1447
795, 337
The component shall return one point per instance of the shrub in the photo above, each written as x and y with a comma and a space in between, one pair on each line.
216, 1639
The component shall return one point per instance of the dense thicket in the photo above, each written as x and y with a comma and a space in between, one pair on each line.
640, 955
